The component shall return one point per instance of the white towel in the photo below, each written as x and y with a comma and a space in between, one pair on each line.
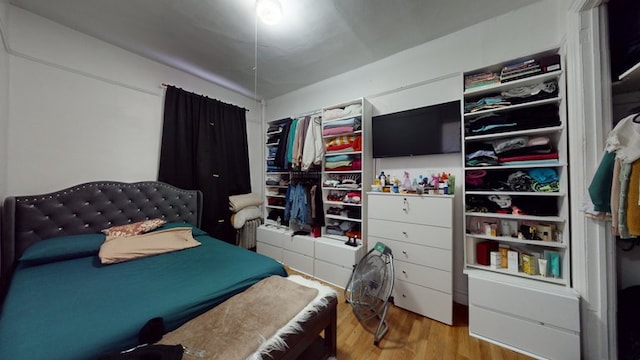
239, 202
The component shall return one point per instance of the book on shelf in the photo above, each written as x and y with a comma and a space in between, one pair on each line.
520, 75
481, 79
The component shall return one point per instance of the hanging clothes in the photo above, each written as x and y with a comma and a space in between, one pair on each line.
615, 186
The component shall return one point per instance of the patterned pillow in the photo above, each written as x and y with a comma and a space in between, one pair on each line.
134, 228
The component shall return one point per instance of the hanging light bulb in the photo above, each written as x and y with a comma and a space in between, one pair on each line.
269, 11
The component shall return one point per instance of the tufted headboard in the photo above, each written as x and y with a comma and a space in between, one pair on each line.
89, 208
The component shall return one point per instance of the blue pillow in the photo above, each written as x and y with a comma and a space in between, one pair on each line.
62, 248
195, 230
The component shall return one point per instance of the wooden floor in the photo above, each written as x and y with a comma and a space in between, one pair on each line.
411, 336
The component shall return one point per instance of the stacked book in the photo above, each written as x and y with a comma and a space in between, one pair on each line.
481, 79
520, 70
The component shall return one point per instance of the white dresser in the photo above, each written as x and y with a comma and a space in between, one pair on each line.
418, 229
298, 253
326, 259
334, 261
538, 319
270, 239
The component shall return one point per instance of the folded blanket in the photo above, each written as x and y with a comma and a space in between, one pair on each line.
239, 202
239, 218
338, 130
353, 109
335, 158
343, 122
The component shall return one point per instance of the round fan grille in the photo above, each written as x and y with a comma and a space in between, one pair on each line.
369, 288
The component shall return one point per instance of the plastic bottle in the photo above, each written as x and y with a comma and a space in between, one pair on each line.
383, 179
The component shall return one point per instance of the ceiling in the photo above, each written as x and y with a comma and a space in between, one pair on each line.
316, 39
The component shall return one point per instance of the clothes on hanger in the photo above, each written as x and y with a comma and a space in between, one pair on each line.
615, 187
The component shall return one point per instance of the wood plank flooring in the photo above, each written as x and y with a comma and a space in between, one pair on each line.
412, 336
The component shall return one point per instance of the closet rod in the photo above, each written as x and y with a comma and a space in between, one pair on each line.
165, 85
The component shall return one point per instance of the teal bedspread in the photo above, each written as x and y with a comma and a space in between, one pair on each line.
80, 309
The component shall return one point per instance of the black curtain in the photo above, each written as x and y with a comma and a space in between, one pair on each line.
204, 147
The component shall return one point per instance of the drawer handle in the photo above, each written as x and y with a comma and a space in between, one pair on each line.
404, 252
404, 296
405, 234
405, 206
404, 272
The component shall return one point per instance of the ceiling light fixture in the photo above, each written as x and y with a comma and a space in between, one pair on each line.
269, 11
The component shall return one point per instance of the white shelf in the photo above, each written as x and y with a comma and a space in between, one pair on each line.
340, 189
340, 203
338, 217
559, 281
276, 196
516, 193
512, 240
342, 171
555, 219
474, 114
506, 167
275, 207
544, 130
497, 87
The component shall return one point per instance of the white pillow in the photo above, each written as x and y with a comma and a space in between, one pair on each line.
118, 249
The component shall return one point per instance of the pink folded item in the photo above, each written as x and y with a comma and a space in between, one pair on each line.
530, 157
338, 130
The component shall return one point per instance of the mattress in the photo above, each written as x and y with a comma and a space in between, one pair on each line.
79, 308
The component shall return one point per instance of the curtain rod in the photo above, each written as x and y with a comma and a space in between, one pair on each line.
165, 85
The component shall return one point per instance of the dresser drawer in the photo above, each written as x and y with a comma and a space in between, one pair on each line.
300, 243
271, 235
417, 254
554, 308
336, 252
332, 273
298, 262
271, 251
414, 233
424, 276
424, 301
530, 337
428, 210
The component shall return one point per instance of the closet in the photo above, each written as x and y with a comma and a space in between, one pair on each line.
314, 170
624, 49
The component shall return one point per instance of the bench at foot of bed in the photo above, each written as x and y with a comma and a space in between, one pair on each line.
277, 318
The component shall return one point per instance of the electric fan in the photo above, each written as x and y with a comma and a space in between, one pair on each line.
370, 286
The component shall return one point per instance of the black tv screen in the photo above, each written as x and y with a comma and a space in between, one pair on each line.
427, 130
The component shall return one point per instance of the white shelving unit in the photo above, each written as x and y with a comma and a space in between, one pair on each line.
341, 212
275, 194
511, 303
506, 219
327, 257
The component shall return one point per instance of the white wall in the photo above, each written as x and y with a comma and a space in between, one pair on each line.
431, 73
84, 110
4, 99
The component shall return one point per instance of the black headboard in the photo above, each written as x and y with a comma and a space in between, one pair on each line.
89, 208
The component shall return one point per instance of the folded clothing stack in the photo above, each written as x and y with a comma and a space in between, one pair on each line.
244, 208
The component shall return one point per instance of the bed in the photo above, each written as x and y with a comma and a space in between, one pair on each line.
61, 302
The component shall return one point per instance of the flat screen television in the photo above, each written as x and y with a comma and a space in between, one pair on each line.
427, 130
